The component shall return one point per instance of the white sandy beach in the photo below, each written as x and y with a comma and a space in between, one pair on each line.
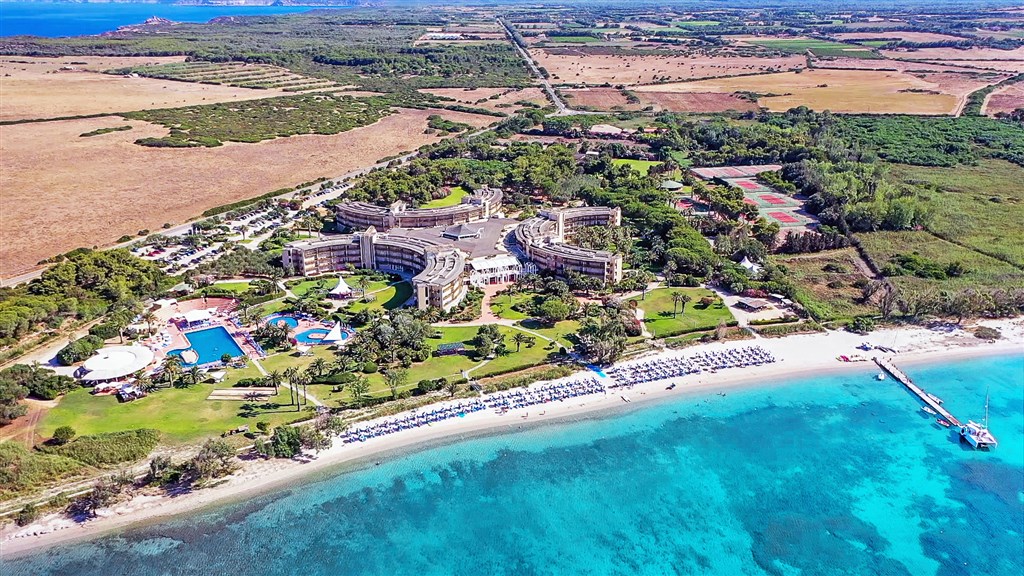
801, 355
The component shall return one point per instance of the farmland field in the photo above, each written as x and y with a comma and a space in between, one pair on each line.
38, 88
979, 206
239, 74
906, 36
571, 66
698, 102
848, 91
497, 99
97, 201
953, 54
1005, 99
820, 48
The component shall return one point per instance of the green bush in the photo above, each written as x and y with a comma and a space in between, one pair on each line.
108, 449
63, 435
105, 330
986, 333
369, 368
22, 470
79, 350
27, 515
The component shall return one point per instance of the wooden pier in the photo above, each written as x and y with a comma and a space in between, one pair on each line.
923, 396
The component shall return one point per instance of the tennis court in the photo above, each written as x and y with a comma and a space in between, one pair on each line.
788, 219
768, 199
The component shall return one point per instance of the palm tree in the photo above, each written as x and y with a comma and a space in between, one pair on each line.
318, 368
677, 297
519, 338
682, 303
149, 317
172, 367
363, 282
193, 374
274, 379
291, 374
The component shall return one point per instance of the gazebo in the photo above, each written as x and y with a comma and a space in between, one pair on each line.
342, 291
115, 362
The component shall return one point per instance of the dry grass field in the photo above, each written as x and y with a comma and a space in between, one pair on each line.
38, 88
505, 102
844, 91
897, 65
612, 99
952, 54
76, 191
567, 68
1005, 99
1015, 66
906, 36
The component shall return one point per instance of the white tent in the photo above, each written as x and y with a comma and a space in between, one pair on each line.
193, 316
303, 349
334, 335
750, 266
342, 290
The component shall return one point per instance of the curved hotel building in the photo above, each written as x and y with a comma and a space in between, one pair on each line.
440, 271
479, 205
545, 240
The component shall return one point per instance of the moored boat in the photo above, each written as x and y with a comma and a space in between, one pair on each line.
943, 422
978, 435
929, 410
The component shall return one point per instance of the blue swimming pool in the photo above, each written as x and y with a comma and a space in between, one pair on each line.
276, 319
210, 344
315, 335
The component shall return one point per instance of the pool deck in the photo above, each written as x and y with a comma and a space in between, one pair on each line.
175, 339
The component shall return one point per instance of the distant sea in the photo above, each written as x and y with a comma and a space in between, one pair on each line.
76, 19
838, 475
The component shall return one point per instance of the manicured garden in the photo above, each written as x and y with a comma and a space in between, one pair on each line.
181, 414
388, 298
641, 166
693, 315
452, 199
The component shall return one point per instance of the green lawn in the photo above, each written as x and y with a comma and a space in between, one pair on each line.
502, 305
238, 287
641, 166
452, 199
526, 357
389, 298
657, 307
558, 332
979, 206
304, 286
183, 415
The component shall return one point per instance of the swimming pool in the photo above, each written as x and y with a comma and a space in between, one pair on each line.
315, 335
210, 344
291, 321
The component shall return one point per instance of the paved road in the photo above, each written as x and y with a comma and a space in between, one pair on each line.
563, 108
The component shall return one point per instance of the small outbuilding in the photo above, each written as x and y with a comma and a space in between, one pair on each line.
753, 304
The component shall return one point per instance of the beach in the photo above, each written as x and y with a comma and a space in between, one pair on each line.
797, 356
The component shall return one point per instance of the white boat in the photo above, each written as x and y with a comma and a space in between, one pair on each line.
934, 398
880, 376
978, 435
928, 409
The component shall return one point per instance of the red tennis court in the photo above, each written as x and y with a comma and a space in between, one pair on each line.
746, 184
784, 217
749, 201
772, 199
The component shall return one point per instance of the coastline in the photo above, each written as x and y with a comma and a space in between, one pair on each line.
798, 356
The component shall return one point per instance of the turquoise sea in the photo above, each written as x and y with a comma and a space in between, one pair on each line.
53, 19
831, 475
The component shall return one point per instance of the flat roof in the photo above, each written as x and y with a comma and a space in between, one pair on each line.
116, 362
